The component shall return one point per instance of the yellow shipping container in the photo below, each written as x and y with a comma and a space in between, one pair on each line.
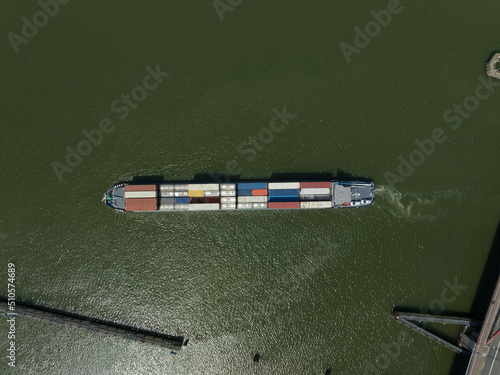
196, 193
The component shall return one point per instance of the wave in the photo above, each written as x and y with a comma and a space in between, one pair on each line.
417, 206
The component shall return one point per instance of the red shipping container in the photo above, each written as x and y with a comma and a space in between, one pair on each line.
212, 199
318, 184
204, 200
140, 187
141, 204
259, 192
274, 205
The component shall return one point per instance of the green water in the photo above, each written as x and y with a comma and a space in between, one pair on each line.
307, 290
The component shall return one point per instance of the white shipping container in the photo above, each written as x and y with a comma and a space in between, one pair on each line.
203, 186
140, 194
257, 198
316, 204
283, 185
211, 193
181, 206
228, 200
167, 193
228, 193
164, 207
228, 186
244, 205
180, 187
203, 206
181, 194
228, 206
313, 191
167, 187
260, 205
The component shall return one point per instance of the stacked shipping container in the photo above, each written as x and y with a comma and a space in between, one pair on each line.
189, 197
252, 195
284, 195
203, 197
288, 195
141, 198
229, 196
316, 194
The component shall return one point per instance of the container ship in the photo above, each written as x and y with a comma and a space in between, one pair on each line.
239, 196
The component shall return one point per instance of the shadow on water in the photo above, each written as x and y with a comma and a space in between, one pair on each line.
340, 175
154, 179
482, 299
436, 328
480, 304
174, 339
226, 178
420, 310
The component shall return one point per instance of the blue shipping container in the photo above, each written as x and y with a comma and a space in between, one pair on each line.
244, 192
282, 192
252, 185
287, 198
182, 200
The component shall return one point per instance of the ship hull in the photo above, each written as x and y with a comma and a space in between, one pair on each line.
182, 196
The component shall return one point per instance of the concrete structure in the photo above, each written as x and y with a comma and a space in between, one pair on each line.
95, 325
485, 358
491, 66
470, 327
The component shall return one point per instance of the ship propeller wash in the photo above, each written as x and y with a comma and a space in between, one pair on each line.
239, 196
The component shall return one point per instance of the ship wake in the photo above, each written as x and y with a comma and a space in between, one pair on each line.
416, 206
